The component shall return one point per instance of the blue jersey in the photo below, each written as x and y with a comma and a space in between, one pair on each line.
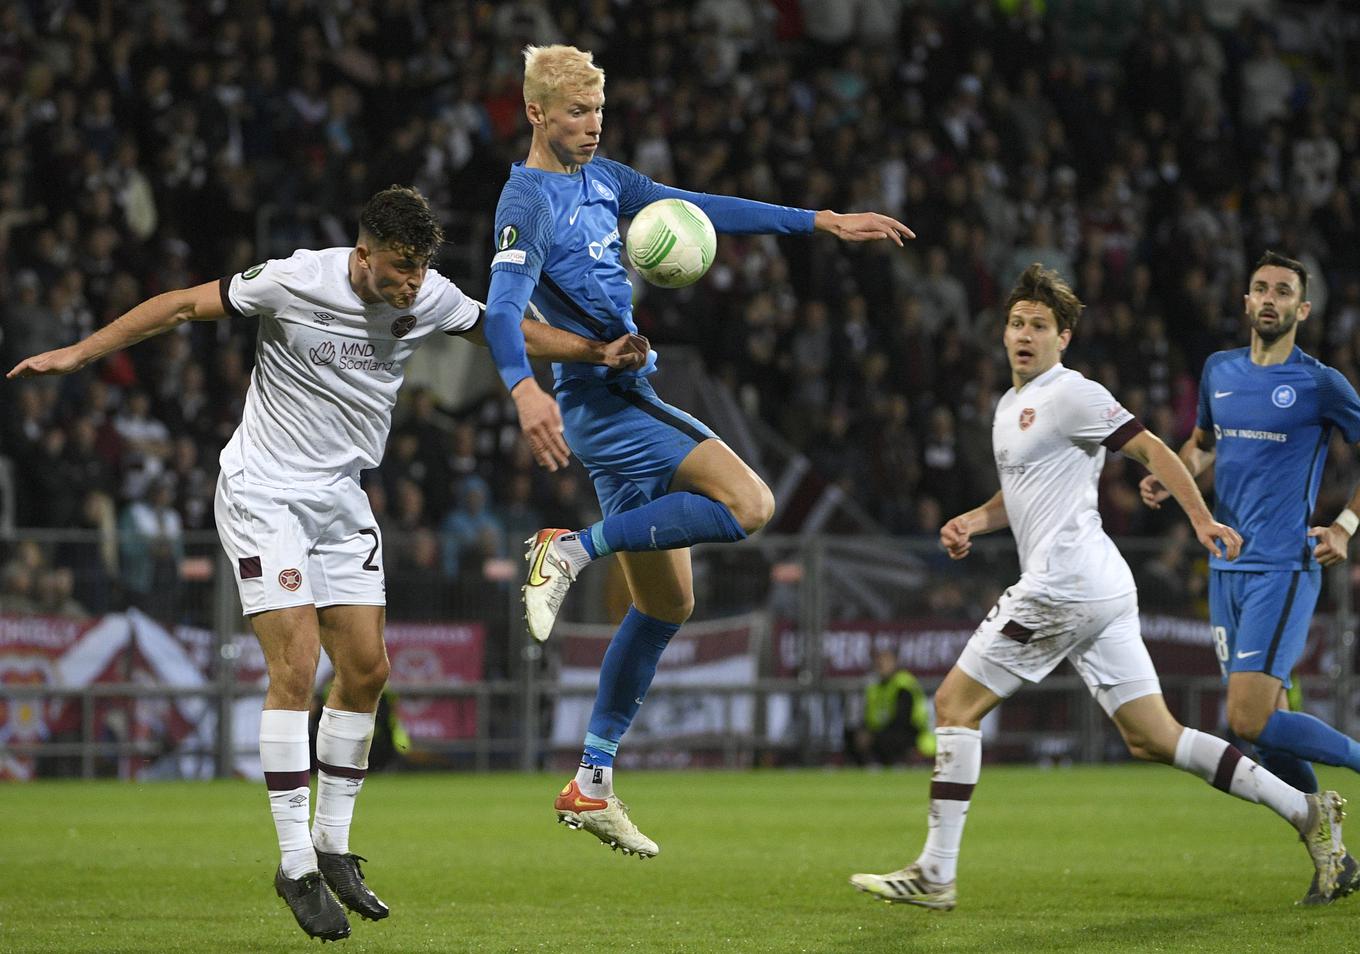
561, 230
1271, 425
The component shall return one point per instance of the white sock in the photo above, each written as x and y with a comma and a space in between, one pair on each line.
1228, 770
571, 547
958, 763
595, 781
287, 764
342, 743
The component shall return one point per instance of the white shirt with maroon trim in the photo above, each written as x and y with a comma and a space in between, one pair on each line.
328, 365
1050, 439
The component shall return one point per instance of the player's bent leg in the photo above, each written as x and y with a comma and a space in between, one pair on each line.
662, 586
1253, 697
1148, 728
1255, 713
714, 470
352, 637
1151, 732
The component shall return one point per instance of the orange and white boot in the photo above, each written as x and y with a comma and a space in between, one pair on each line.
605, 818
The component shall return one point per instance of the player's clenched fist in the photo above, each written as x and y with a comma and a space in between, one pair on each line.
1152, 492
956, 538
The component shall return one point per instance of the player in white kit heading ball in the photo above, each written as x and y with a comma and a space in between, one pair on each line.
1076, 600
336, 328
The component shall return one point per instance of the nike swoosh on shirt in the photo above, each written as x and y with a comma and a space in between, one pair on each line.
1254, 652
572, 219
1219, 394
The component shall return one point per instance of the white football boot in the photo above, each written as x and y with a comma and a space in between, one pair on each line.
907, 886
605, 818
1322, 836
550, 576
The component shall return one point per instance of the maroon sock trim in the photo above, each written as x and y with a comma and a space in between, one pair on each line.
1227, 765
343, 771
287, 781
951, 791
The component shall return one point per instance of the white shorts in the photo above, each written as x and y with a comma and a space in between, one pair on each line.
1024, 638
309, 544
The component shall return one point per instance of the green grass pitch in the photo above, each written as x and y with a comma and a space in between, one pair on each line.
1124, 858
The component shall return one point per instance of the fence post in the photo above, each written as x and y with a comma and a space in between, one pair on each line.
1343, 679
531, 655
226, 617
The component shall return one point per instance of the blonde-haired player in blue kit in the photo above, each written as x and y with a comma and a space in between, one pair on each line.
1266, 416
663, 478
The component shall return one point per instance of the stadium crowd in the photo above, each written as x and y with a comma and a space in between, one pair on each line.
1149, 151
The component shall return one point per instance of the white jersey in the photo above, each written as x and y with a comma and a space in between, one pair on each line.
328, 366
1050, 439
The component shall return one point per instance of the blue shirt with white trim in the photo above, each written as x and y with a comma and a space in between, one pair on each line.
561, 232
1271, 426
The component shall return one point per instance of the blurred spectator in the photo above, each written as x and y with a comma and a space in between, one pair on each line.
54, 595
1150, 161
896, 717
16, 588
471, 532
151, 547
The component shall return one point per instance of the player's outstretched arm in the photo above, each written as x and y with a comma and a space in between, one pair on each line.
861, 226
1171, 472
152, 317
1197, 454
1334, 541
956, 536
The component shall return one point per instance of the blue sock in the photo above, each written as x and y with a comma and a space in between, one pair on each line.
1309, 738
667, 523
1290, 769
628, 667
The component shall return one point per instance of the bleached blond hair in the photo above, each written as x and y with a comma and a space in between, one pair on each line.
552, 72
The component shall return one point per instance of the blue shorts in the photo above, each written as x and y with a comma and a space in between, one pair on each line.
629, 440
1260, 618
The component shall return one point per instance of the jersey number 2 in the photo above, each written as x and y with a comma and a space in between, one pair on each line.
368, 561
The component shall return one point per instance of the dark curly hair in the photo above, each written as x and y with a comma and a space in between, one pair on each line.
1294, 265
400, 218
1047, 287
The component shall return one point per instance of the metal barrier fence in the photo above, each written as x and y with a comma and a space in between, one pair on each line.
789, 622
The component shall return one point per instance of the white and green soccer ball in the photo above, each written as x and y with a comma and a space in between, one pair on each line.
671, 243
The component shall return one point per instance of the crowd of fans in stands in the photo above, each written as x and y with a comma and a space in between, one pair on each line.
1147, 151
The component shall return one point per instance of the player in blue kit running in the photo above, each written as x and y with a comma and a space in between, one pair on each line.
663, 478
1266, 414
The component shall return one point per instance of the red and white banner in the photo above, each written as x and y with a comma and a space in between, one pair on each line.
715, 653
130, 647
133, 647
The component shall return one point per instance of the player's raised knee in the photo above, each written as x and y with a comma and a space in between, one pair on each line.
1246, 721
754, 507
674, 609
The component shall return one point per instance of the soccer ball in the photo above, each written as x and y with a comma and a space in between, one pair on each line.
671, 243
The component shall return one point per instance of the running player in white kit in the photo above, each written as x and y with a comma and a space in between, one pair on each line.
336, 329
1075, 600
